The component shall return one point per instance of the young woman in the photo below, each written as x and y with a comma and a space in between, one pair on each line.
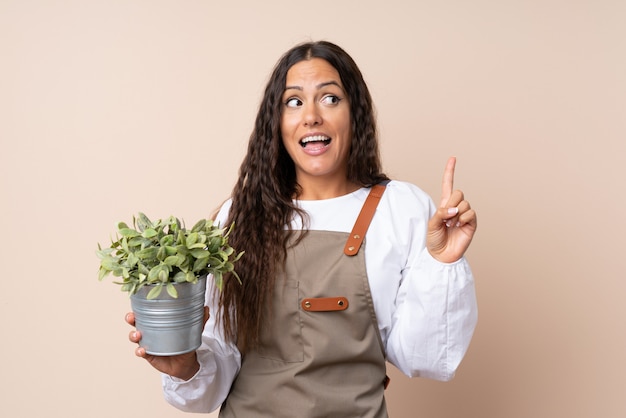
343, 271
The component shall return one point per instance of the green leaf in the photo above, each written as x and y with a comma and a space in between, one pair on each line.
167, 240
191, 239
159, 273
102, 273
137, 242
103, 253
217, 232
216, 245
154, 292
128, 287
132, 260
182, 249
125, 244
174, 223
142, 269
143, 222
200, 253
199, 226
149, 233
219, 282
169, 250
200, 263
153, 276
110, 263
171, 290
180, 277
128, 233
149, 253
180, 238
174, 260
184, 266
215, 262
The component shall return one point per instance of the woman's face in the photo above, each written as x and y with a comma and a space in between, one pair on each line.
315, 122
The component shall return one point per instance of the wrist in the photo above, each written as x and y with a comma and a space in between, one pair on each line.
190, 370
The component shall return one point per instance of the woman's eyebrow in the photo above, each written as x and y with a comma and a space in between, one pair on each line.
319, 86
328, 83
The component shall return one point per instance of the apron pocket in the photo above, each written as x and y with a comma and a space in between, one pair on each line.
282, 341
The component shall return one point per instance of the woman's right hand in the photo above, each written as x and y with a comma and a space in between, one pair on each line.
182, 366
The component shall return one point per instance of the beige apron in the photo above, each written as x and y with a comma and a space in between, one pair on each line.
321, 354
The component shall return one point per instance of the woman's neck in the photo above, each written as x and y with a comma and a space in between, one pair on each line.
320, 189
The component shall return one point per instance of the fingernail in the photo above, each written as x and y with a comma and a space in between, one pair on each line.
453, 211
448, 224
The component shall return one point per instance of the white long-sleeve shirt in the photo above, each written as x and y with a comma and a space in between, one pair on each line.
426, 309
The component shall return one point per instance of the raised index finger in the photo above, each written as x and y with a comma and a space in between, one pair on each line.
448, 181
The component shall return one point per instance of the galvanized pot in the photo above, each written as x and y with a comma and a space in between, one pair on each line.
170, 326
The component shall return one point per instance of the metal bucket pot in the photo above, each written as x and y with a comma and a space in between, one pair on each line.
170, 326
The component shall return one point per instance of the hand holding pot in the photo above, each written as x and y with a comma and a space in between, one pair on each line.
182, 366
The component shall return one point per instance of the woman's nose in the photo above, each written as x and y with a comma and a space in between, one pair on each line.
312, 115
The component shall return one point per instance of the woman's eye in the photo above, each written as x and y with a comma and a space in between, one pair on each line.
330, 99
293, 102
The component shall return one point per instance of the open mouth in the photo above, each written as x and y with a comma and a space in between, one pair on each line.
319, 140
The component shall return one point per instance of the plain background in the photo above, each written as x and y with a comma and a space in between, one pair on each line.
108, 108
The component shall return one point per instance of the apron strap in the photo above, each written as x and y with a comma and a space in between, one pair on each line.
353, 244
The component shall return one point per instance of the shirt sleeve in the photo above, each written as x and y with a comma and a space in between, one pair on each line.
219, 363
435, 312
206, 391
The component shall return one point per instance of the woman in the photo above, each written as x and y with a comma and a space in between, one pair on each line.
343, 271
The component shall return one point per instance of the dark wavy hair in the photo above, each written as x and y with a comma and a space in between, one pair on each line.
262, 199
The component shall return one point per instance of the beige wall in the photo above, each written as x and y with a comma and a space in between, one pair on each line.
112, 107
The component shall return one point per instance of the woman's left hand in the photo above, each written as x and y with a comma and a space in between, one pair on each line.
452, 227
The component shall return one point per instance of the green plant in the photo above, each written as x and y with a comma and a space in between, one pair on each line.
164, 252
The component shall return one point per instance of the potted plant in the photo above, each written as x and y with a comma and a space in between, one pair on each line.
163, 266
